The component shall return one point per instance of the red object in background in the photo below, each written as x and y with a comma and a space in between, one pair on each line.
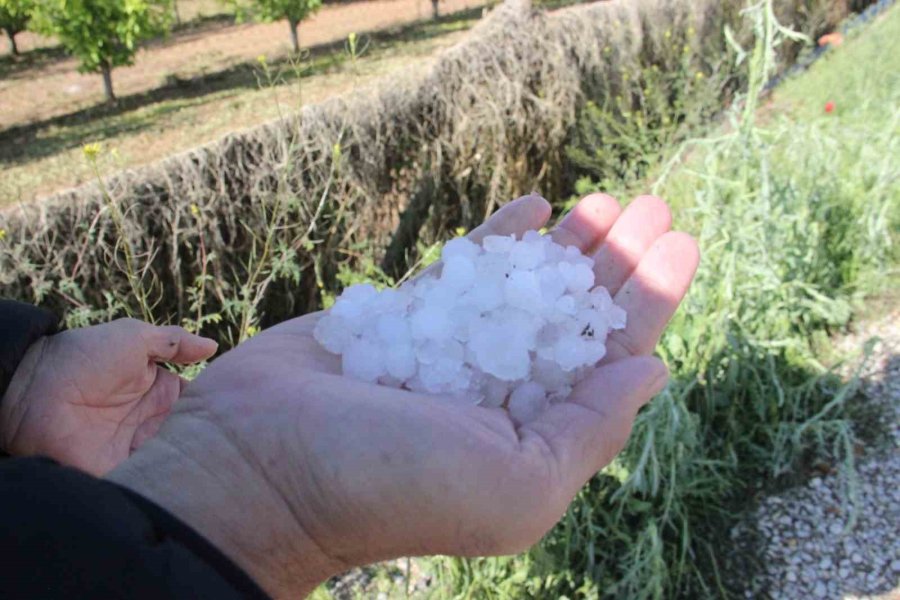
829, 106
833, 39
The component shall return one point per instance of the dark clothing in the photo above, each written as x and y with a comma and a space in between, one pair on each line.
66, 534
20, 326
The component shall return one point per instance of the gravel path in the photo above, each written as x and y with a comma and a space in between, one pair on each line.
811, 545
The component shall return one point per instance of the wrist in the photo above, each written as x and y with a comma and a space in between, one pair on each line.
194, 472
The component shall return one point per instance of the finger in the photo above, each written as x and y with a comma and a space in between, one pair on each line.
174, 344
587, 225
652, 294
644, 220
514, 218
586, 432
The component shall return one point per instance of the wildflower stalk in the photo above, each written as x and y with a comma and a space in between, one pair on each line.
134, 275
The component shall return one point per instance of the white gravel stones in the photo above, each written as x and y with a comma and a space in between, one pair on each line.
511, 322
812, 546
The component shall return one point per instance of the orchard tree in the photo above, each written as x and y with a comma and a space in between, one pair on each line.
293, 11
102, 34
14, 16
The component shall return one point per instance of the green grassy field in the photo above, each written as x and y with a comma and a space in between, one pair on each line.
795, 210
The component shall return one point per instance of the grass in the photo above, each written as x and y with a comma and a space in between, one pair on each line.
795, 210
181, 114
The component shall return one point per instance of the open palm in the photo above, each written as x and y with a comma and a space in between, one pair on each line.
367, 472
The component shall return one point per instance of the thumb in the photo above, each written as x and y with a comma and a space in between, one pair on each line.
175, 344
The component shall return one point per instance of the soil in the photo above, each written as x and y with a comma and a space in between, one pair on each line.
33, 90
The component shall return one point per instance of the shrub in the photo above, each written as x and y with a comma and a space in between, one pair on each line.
393, 167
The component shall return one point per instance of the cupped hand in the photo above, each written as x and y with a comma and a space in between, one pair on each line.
308, 472
88, 397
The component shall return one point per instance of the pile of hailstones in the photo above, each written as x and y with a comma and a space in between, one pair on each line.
512, 323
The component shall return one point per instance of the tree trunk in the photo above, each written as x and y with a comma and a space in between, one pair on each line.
294, 39
107, 83
177, 14
435, 13
13, 48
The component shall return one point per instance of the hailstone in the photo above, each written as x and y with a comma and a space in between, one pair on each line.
511, 324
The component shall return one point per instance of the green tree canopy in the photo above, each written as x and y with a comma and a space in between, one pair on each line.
14, 16
293, 11
102, 34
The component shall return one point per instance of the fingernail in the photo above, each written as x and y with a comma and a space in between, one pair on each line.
536, 197
207, 341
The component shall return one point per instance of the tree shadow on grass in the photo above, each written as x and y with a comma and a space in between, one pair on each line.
23, 143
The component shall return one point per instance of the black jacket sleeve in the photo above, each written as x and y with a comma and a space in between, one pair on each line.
20, 326
65, 534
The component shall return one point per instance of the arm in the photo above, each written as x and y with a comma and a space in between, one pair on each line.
297, 473
66, 534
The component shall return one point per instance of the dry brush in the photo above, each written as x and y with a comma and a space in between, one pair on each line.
251, 227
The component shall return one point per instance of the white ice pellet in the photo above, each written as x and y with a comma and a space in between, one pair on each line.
617, 317
400, 361
431, 322
497, 354
565, 305
498, 243
552, 284
362, 359
526, 255
460, 247
393, 328
527, 402
600, 298
578, 277
333, 333
359, 294
510, 323
522, 289
494, 392
458, 273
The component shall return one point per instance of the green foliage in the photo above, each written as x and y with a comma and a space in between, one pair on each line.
102, 34
795, 219
617, 141
294, 11
14, 15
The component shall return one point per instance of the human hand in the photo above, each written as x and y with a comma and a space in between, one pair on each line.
298, 473
89, 397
